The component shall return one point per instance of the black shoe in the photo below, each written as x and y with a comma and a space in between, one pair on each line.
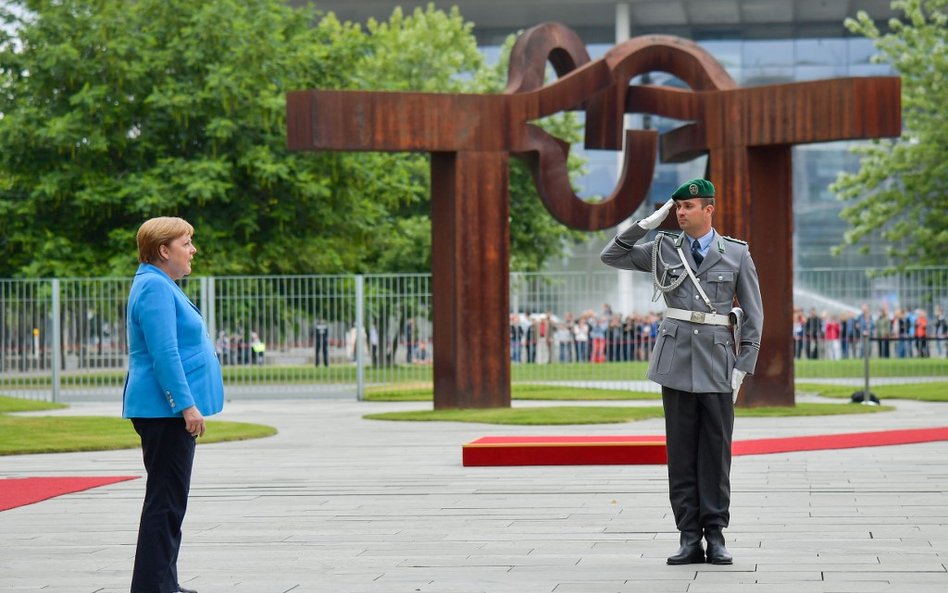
717, 552
690, 551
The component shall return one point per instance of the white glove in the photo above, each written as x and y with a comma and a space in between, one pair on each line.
655, 218
737, 377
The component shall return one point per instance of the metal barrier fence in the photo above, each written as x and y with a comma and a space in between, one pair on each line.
342, 335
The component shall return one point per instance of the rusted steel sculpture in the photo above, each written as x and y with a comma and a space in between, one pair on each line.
747, 134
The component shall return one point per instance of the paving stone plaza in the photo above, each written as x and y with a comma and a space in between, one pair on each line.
338, 504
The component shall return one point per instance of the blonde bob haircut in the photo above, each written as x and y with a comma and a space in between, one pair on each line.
159, 231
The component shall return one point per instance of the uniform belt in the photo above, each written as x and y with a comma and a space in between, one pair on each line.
697, 317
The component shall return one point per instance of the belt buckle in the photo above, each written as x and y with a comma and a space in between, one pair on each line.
697, 317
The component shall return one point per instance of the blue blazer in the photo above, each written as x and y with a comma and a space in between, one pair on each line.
171, 360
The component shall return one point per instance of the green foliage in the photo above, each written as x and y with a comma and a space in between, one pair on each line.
116, 111
901, 191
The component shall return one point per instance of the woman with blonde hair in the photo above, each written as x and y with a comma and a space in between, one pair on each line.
174, 380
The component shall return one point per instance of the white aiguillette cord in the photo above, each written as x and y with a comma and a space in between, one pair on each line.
656, 256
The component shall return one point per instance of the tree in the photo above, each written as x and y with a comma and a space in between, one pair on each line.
535, 235
900, 192
113, 111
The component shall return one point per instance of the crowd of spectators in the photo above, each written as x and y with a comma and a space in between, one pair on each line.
590, 337
542, 338
899, 333
234, 348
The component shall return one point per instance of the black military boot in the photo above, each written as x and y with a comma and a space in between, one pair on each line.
691, 551
717, 552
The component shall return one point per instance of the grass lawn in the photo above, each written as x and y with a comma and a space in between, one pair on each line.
520, 373
56, 434
559, 415
929, 392
422, 392
878, 367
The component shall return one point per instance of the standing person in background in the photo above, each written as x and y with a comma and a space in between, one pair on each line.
321, 341
258, 348
530, 338
799, 321
700, 274
628, 338
597, 333
846, 334
909, 334
409, 340
900, 329
883, 332
545, 339
570, 323
374, 344
581, 336
863, 331
646, 336
614, 339
921, 333
174, 381
564, 341
223, 347
516, 337
812, 332
833, 347
940, 331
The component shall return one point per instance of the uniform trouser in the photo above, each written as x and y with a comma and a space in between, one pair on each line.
168, 453
698, 432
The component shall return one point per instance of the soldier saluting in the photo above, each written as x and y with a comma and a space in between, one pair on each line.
704, 349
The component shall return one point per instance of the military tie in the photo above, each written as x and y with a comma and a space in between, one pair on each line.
696, 253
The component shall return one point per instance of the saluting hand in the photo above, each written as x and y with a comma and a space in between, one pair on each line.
653, 220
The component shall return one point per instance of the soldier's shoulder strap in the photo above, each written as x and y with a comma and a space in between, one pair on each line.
676, 238
733, 240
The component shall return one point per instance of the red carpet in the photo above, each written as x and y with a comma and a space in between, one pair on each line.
17, 492
602, 450
840, 441
636, 450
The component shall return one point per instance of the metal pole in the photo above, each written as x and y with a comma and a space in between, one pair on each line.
865, 358
360, 322
56, 342
207, 308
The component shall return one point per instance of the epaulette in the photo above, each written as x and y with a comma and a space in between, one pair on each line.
668, 234
733, 240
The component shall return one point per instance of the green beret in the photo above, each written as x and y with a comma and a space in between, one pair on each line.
696, 188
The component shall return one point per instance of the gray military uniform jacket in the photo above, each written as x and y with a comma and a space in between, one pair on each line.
687, 356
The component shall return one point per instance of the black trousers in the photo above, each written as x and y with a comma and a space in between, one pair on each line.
168, 453
322, 346
698, 429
